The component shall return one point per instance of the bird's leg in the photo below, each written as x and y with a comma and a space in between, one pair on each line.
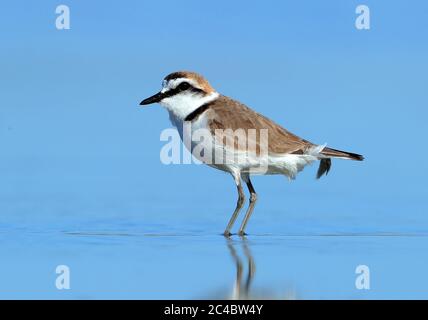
239, 205
253, 199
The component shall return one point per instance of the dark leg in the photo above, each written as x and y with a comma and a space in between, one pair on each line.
239, 205
253, 199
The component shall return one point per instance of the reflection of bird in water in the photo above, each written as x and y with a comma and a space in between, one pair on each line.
241, 291
242, 288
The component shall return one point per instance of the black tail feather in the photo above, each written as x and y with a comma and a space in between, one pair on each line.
325, 165
341, 154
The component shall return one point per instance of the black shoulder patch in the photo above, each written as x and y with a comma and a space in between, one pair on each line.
196, 113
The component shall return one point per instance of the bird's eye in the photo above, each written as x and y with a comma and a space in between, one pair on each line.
183, 86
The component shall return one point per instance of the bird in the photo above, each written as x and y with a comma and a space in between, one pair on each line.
191, 100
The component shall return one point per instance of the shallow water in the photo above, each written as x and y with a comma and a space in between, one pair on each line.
164, 241
125, 263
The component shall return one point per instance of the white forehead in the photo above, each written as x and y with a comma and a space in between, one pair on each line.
173, 83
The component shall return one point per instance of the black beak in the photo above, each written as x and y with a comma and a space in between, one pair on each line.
153, 99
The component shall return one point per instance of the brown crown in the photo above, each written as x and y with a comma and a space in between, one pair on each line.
200, 80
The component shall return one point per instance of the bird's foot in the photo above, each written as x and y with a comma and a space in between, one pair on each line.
241, 233
227, 234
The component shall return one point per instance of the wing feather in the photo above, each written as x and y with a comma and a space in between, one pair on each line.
226, 113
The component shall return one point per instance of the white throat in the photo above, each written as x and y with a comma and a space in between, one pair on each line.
181, 105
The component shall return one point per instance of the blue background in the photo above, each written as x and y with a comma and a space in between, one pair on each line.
81, 180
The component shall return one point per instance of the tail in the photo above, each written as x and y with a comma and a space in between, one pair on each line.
325, 163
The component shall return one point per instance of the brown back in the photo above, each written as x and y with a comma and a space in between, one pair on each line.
226, 113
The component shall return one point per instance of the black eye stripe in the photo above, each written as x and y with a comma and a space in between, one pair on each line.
183, 86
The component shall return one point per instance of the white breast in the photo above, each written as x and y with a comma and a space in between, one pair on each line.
181, 105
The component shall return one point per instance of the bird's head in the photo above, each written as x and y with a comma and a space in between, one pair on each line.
182, 92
